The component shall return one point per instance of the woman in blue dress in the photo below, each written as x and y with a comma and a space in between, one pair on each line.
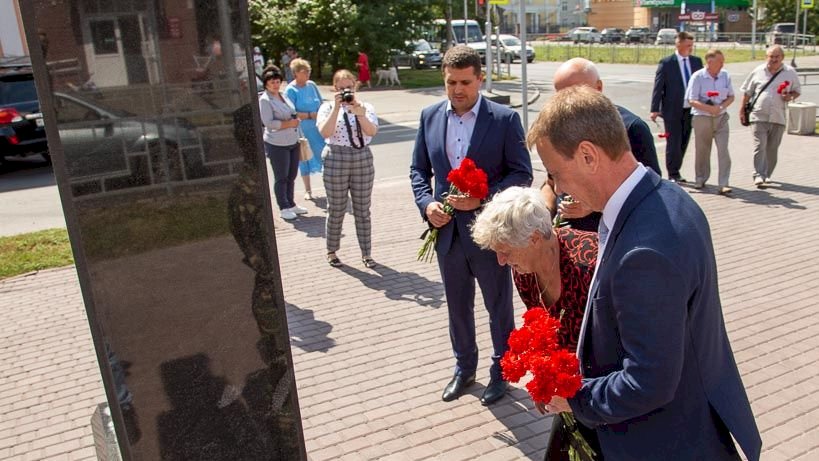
306, 97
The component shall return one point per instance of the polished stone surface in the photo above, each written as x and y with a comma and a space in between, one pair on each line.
152, 129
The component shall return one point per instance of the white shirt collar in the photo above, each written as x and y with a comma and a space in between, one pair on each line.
475, 109
616, 201
680, 57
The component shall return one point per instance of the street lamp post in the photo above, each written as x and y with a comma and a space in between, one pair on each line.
795, 31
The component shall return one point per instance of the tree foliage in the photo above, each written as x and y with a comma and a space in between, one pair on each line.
785, 11
333, 31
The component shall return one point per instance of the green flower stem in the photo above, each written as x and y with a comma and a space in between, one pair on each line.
427, 250
579, 449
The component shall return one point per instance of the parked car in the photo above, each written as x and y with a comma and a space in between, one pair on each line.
611, 35
101, 142
22, 132
637, 34
509, 48
422, 55
780, 33
666, 37
586, 34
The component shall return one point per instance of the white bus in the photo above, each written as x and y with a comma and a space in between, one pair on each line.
469, 33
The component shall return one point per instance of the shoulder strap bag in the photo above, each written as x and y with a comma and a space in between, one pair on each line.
749, 107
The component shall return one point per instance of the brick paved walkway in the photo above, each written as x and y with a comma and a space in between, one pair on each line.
371, 347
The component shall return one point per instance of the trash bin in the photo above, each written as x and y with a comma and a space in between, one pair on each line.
801, 118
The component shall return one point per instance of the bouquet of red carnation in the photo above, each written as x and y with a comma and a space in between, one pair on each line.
535, 348
467, 180
783, 87
711, 94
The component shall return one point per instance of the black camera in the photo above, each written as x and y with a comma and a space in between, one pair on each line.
347, 95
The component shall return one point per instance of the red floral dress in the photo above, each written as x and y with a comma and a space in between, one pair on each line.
578, 256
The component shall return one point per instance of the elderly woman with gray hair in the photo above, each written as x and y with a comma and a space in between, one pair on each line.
552, 268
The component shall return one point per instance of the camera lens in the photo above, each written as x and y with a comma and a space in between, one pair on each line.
347, 95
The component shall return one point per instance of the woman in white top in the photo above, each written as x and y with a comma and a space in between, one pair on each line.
348, 126
281, 141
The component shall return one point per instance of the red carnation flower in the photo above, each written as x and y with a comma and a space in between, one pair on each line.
711, 94
468, 180
535, 348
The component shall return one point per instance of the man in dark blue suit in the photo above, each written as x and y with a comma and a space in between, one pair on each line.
467, 125
659, 378
668, 101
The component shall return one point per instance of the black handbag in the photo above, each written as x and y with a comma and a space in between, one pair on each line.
749, 106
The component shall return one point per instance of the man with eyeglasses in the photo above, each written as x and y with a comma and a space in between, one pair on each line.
767, 117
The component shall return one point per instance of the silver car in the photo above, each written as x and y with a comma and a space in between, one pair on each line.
666, 37
586, 34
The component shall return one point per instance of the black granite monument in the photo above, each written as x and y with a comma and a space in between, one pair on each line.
153, 128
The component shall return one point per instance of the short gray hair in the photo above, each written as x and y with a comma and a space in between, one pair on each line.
511, 217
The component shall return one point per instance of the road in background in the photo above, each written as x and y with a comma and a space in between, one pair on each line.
29, 199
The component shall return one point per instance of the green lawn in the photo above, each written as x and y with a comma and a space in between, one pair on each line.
34, 251
632, 54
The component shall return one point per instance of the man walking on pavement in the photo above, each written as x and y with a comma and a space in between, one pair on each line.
771, 86
448, 132
668, 101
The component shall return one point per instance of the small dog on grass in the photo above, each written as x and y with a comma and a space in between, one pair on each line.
388, 75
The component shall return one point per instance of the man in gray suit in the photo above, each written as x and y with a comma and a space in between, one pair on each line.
660, 380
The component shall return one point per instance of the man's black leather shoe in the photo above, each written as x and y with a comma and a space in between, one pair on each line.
494, 391
456, 387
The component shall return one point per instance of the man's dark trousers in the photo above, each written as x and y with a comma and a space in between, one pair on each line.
460, 267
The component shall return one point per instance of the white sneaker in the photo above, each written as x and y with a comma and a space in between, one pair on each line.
758, 181
308, 195
288, 214
298, 209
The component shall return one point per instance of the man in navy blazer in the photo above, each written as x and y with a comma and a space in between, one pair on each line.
668, 101
467, 125
659, 378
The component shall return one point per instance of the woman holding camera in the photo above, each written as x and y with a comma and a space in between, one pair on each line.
348, 126
281, 141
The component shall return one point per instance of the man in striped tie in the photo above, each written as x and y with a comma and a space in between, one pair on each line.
668, 101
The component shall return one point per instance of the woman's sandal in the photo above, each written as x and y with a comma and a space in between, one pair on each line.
333, 260
369, 262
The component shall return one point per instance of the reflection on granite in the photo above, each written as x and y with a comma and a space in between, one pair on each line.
153, 132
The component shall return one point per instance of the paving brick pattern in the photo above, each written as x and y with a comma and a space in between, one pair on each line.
371, 347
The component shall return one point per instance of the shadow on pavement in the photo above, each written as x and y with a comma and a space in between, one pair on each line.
788, 187
516, 412
311, 226
764, 197
307, 333
25, 173
405, 286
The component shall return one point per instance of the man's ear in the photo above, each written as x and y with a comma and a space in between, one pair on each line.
588, 156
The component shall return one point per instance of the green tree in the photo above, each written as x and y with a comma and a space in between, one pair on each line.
333, 31
317, 29
784, 11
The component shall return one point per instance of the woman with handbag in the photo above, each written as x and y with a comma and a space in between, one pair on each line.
306, 97
281, 141
348, 126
